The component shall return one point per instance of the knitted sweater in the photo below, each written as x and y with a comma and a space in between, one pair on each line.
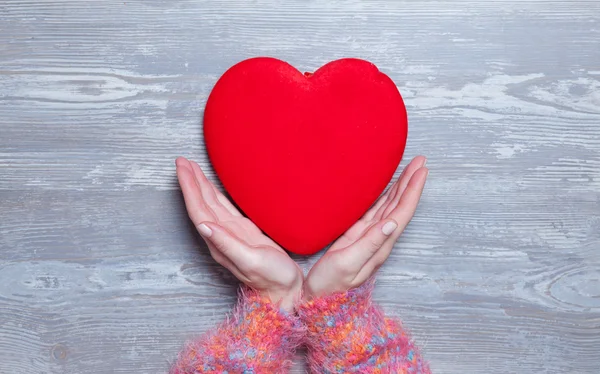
344, 333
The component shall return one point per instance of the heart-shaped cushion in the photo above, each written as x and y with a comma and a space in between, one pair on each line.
304, 155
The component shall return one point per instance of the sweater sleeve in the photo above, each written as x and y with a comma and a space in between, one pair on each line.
348, 334
258, 338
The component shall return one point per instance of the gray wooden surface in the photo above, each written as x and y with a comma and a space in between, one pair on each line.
100, 271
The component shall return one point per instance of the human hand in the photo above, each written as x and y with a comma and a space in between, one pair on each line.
359, 253
235, 242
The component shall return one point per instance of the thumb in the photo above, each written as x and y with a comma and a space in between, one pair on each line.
226, 243
365, 247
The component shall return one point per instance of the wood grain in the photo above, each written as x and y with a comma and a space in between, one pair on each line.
100, 271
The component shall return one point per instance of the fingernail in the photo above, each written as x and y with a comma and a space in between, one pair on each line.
204, 230
425, 163
389, 228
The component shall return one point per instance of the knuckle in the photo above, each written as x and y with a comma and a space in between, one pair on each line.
220, 245
373, 244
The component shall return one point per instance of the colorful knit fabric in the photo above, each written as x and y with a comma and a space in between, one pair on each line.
348, 334
258, 339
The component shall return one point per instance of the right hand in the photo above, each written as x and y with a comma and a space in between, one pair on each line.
235, 242
359, 253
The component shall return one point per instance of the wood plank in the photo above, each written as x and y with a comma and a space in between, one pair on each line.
101, 271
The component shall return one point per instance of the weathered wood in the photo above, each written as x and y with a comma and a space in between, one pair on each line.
100, 271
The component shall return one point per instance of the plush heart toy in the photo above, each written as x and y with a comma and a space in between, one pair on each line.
305, 155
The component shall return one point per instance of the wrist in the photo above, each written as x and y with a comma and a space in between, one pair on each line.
336, 291
287, 297
311, 292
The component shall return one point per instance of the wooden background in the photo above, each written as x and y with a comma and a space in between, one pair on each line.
100, 271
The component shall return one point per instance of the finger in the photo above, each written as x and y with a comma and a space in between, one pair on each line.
417, 163
367, 271
240, 254
194, 203
221, 259
385, 198
414, 164
358, 229
376, 212
363, 249
215, 198
407, 205
402, 214
363, 224
225, 262
226, 203
378, 259
207, 191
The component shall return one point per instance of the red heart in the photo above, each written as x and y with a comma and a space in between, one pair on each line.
304, 156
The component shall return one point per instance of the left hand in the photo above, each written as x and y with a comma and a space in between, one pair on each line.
235, 242
359, 253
